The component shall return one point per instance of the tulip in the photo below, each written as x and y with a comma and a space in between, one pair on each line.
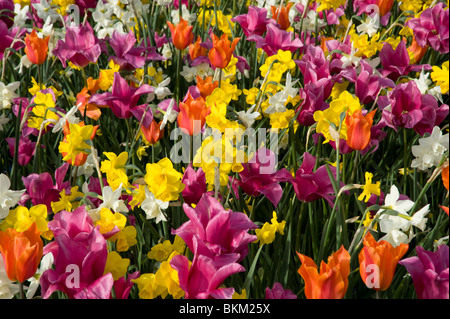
429, 272
203, 278
385, 6
182, 34
196, 50
218, 233
281, 16
195, 182
206, 86
331, 282
417, 51
21, 252
80, 46
377, 262
153, 133
444, 176
36, 49
222, 50
358, 129
192, 115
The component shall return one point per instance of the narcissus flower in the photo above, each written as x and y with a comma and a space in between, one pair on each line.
36, 48
182, 34
21, 252
163, 180
369, 188
377, 262
331, 281
74, 148
222, 50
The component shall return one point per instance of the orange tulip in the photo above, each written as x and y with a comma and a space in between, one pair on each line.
377, 262
192, 115
445, 209
222, 50
196, 50
81, 158
385, 6
358, 129
332, 280
206, 86
444, 175
36, 48
92, 110
281, 15
21, 251
182, 34
417, 51
152, 134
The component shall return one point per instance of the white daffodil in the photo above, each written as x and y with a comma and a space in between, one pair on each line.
169, 115
111, 201
46, 263
153, 207
69, 117
3, 121
248, 117
277, 102
392, 201
8, 198
7, 94
370, 26
430, 150
7, 287
160, 91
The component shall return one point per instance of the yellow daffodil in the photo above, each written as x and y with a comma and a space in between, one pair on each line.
163, 180
108, 220
21, 219
116, 265
125, 238
266, 234
441, 76
67, 202
369, 188
160, 252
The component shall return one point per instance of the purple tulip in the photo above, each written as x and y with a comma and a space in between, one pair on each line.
260, 176
123, 100
127, 55
310, 185
26, 149
395, 63
80, 46
202, 279
9, 38
406, 107
80, 253
7, 12
313, 97
369, 85
40, 188
254, 22
278, 292
195, 185
122, 286
429, 272
432, 28
276, 39
218, 233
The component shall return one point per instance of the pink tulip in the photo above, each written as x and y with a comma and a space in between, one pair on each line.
218, 232
260, 176
128, 56
429, 272
80, 46
278, 292
80, 253
254, 22
202, 279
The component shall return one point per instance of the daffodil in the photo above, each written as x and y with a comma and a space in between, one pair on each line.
266, 234
116, 265
369, 188
21, 218
161, 251
75, 141
125, 238
42, 111
441, 76
109, 220
114, 167
67, 202
163, 181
